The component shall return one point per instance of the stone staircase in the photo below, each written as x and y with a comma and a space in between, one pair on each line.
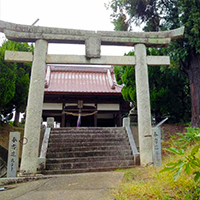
76, 150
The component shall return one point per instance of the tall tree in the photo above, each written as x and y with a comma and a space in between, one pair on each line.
159, 15
14, 81
169, 93
7, 85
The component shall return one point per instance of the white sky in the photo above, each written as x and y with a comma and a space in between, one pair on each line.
75, 14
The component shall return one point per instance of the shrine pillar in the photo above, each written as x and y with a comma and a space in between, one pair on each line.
30, 151
143, 105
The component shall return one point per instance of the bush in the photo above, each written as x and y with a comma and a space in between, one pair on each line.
189, 163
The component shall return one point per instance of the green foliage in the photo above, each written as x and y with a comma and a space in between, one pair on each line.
189, 163
14, 81
21, 92
7, 80
147, 183
190, 18
169, 90
159, 15
190, 137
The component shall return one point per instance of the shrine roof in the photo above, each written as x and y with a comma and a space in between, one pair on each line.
81, 80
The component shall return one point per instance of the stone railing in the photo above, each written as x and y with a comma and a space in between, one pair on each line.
126, 124
43, 151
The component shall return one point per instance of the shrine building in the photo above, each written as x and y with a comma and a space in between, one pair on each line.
83, 96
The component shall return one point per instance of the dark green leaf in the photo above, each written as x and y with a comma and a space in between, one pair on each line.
174, 150
195, 150
188, 169
166, 169
197, 175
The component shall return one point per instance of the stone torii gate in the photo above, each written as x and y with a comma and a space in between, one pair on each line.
41, 36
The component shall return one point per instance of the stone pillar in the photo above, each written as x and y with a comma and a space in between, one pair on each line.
143, 105
50, 122
126, 121
34, 109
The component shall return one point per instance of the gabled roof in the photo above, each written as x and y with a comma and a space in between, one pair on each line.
81, 80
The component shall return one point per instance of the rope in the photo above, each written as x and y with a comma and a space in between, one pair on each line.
82, 115
79, 120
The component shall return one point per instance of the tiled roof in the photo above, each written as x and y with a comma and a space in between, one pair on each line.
76, 80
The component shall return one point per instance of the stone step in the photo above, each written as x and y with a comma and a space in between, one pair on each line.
75, 150
86, 143
87, 153
88, 148
72, 171
85, 136
69, 131
87, 128
74, 134
90, 159
77, 140
88, 165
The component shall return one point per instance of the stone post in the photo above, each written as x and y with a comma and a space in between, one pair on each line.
50, 122
126, 121
34, 109
143, 105
157, 155
13, 154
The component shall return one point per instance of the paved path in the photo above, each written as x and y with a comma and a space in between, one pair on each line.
94, 186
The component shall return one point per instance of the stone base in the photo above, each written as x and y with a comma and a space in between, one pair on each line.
41, 164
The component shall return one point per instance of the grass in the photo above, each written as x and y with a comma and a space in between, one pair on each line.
144, 183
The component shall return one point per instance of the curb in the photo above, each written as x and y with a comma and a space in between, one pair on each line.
14, 180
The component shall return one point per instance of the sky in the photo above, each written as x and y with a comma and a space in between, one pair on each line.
72, 14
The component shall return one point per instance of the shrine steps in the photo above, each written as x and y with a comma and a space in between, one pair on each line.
76, 150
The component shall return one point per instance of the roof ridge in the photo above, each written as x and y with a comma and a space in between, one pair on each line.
81, 69
68, 79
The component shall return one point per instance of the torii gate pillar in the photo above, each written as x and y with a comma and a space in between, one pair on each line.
34, 109
143, 105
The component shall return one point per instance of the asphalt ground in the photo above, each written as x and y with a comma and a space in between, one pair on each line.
85, 186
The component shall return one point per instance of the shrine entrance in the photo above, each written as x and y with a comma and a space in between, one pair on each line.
83, 93
92, 41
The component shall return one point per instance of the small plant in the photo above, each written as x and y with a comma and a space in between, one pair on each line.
188, 163
190, 137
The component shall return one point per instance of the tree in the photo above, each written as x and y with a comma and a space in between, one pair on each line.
7, 85
157, 15
14, 81
21, 93
168, 89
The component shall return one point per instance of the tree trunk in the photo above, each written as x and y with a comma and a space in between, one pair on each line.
16, 121
194, 77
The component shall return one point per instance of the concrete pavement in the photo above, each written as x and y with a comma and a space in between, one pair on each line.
86, 186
